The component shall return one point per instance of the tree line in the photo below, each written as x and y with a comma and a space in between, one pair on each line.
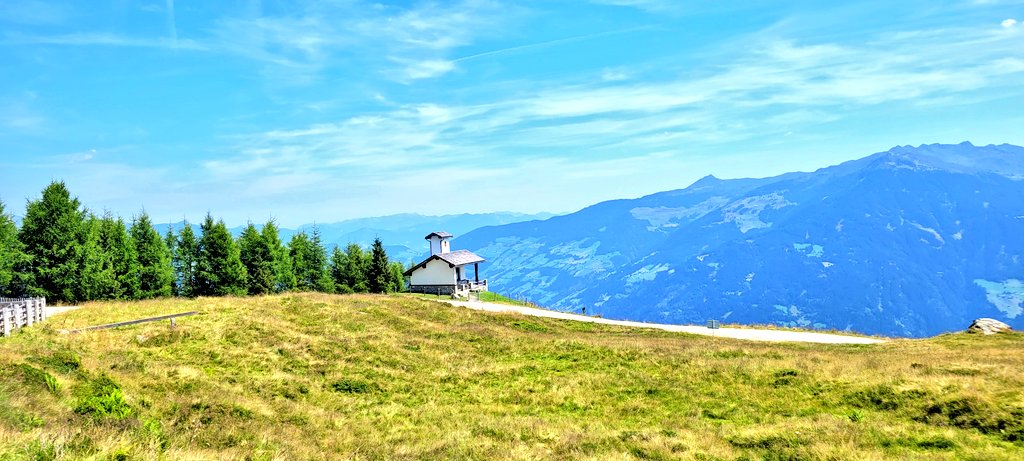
66, 253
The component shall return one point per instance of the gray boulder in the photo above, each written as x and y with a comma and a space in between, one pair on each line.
988, 326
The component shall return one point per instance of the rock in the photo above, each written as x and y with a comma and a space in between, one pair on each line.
988, 326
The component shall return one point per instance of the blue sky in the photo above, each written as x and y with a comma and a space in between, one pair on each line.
327, 110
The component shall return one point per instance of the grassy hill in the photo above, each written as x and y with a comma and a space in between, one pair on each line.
372, 377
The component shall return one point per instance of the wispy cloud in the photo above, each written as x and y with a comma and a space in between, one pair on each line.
101, 39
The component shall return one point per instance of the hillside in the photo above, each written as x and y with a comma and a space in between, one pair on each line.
304, 376
914, 241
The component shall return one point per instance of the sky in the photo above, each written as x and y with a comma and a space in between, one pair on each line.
320, 111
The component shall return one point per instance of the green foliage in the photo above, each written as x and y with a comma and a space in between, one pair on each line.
219, 269
258, 260
155, 271
33, 376
378, 275
284, 275
54, 233
171, 241
353, 386
184, 261
12, 256
102, 398
397, 277
121, 254
61, 360
348, 269
884, 397
309, 262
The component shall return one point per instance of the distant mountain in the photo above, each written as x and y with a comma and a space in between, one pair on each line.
402, 234
909, 242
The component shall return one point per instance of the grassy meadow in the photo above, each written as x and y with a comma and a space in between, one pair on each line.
310, 376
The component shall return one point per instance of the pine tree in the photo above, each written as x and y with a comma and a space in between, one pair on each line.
258, 261
378, 279
122, 256
318, 260
219, 269
155, 272
284, 276
53, 233
185, 256
171, 241
12, 256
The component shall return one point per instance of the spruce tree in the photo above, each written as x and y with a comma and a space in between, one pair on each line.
284, 276
219, 269
12, 257
171, 241
318, 260
258, 261
378, 278
121, 254
185, 256
155, 272
53, 233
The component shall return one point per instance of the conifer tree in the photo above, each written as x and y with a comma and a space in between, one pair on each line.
219, 269
258, 261
378, 278
12, 256
284, 276
318, 260
122, 256
185, 256
155, 272
53, 233
171, 241
300, 249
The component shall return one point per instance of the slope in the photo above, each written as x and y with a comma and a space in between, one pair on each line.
370, 377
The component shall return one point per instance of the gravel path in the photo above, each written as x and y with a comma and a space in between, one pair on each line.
737, 333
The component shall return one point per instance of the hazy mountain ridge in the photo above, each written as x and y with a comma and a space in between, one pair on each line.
912, 242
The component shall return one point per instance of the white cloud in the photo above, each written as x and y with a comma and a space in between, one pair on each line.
1008, 23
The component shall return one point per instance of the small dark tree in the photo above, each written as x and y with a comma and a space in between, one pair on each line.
318, 260
378, 278
155, 271
258, 261
185, 256
219, 269
284, 276
338, 264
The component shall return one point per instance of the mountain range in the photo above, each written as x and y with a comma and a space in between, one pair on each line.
913, 241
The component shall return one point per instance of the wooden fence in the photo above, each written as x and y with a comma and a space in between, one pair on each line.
16, 313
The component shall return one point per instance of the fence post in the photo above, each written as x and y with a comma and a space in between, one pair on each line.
6, 312
30, 311
42, 310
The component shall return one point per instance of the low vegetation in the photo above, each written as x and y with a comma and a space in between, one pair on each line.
316, 376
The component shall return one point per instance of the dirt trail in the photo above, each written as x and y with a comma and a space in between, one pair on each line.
737, 333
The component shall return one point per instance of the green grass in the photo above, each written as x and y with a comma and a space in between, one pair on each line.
312, 376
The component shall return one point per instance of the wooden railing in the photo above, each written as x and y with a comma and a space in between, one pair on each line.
17, 313
471, 285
